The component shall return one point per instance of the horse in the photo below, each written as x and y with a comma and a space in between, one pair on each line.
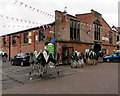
91, 58
33, 63
74, 60
77, 59
44, 61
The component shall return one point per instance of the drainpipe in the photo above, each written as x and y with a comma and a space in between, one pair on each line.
20, 42
9, 47
34, 40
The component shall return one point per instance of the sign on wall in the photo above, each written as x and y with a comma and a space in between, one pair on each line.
105, 39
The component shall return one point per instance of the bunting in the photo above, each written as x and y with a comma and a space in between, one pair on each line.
34, 9
20, 20
6, 38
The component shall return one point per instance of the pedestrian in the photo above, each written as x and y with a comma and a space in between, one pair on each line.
100, 56
4, 56
87, 58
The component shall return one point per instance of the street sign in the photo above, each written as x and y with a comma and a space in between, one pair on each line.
53, 40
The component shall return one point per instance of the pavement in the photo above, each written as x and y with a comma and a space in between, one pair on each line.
13, 76
100, 79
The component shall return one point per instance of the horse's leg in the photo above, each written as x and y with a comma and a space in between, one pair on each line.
47, 68
30, 70
91, 62
35, 68
40, 70
57, 68
44, 69
71, 63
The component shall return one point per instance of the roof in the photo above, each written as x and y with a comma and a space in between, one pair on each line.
93, 13
34, 28
66, 14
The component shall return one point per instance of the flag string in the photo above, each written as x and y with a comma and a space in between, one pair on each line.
34, 9
19, 20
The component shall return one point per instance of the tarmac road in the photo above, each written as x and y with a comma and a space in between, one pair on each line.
100, 79
13, 76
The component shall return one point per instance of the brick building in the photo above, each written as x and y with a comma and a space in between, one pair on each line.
117, 29
81, 32
118, 38
27, 41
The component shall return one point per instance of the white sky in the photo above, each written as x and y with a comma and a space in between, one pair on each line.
108, 9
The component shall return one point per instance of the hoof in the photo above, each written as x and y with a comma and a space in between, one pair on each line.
58, 72
82, 66
29, 73
40, 75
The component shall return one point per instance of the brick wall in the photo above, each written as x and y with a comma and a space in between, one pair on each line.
21, 47
62, 27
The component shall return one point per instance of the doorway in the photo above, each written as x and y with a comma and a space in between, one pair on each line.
66, 54
97, 48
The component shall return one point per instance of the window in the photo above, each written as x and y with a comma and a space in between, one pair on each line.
26, 37
110, 38
118, 38
42, 35
29, 37
13, 40
74, 30
4, 41
97, 32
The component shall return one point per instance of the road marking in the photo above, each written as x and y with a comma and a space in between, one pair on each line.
3, 72
35, 79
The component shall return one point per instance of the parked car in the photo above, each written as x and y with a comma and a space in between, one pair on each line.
21, 59
117, 51
113, 57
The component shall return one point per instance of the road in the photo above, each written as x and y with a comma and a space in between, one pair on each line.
100, 79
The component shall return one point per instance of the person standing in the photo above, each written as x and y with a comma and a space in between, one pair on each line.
100, 56
4, 56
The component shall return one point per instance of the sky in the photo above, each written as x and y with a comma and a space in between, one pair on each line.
18, 15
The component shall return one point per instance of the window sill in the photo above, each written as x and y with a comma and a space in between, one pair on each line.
25, 44
14, 45
4, 46
98, 41
40, 42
